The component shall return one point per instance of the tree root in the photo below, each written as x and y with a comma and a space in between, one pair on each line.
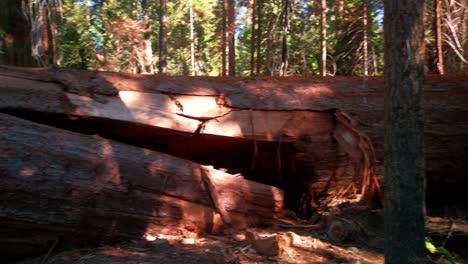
359, 148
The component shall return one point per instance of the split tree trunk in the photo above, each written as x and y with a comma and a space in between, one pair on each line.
296, 115
304, 135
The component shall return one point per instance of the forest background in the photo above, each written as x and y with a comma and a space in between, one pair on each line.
223, 37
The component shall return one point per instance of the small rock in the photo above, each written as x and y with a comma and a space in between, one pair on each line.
295, 240
150, 238
268, 246
187, 241
239, 237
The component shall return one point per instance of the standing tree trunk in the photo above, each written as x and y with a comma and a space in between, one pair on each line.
438, 36
253, 39
339, 18
224, 39
44, 59
39, 15
231, 37
53, 33
192, 41
323, 37
163, 38
270, 25
464, 39
15, 43
365, 57
259, 35
404, 128
148, 56
284, 47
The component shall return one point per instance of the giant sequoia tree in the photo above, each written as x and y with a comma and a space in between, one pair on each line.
404, 126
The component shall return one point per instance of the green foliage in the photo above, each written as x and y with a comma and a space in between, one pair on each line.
96, 41
448, 256
74, 39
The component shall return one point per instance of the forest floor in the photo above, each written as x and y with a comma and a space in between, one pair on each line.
308, 248
299, 245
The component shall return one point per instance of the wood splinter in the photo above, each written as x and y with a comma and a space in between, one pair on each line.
217, 203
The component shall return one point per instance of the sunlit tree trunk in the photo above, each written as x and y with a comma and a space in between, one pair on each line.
88, 13
148, 55
44, 60
268, 53
438, 36
231, 37
253, 4
41, 18
375, 66
53, 33
323, 37
284, 46
404, 132
259, 35
464, 39
365, 53
339, 17
163, 38
192, 41
224, 39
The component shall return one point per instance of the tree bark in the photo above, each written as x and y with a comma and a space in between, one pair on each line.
192, 41
284, 45
203, 118
259, 36
148, 50
323, 37
224, 39
339, 18
45, 58
231, 20
404, 132
438, 36
15, 44
365, 36
53, 33
62, 182
253, 37
163, 38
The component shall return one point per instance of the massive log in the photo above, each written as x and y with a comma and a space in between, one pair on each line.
298, 112
290, 132
81, 188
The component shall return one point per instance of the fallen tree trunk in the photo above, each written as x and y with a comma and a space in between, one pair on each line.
83, 188
270, 126
305, 135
